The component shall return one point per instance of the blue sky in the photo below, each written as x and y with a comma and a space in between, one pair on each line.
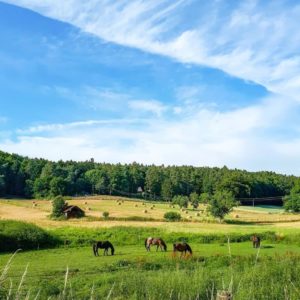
167, 82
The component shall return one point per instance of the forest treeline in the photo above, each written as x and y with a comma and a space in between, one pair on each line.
26, 177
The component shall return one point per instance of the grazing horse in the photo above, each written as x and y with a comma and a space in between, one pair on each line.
183, 248
155, 241
103, 245
255, 241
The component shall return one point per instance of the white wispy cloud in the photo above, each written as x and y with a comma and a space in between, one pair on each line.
152, 106
55, 128
253, 40
208, 137
258, 41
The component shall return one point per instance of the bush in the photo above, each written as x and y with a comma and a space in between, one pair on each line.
181, 201
58, 206
172, 216
292, 202
20, 235
105, 214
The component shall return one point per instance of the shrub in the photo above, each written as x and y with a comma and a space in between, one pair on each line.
105, 214
58, 207
292, 202
181, 201
20, 235
172, 216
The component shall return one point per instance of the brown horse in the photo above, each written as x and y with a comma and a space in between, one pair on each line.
155, 241
183, 248
255, 241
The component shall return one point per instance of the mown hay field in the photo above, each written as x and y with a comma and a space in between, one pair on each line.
128, 212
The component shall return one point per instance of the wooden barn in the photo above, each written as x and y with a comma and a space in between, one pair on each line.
73, 211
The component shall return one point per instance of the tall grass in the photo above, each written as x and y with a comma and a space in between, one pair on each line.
194, 278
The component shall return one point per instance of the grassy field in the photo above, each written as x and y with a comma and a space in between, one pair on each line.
123, 271
268, 273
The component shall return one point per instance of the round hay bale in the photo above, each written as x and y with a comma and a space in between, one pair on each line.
190, 217
145, 211
224, 295
119, 203
151, 207
85, 203
173, 206
136, 205
186, 212
182, 209
197, 214
236, 216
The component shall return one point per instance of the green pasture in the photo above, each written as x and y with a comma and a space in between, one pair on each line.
121, 275
263, 208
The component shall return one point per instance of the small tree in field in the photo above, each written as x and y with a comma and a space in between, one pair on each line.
221, 204
58, 206
172, 216
182, 201
292, 202
195, 199
204, 198
105, 214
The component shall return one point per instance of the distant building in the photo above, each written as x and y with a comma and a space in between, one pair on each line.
139, 190
73, 211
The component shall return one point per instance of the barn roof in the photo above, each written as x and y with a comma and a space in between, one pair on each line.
72, 208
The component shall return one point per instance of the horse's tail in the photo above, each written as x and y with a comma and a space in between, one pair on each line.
146, 243
95, 248
189, 248
112, 249
164, 244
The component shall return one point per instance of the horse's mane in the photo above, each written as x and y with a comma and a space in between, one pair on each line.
112, 248
189, 248
164, 244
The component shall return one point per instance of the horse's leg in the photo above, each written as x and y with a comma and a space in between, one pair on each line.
157, 247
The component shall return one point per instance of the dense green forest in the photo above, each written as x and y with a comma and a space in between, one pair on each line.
22, 176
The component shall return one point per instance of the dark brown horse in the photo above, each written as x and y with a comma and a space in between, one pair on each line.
103, 245
255, 241
183, 248
155, 241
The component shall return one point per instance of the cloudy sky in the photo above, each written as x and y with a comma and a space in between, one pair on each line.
198, 82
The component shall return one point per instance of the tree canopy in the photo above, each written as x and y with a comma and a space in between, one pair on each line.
22, 176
